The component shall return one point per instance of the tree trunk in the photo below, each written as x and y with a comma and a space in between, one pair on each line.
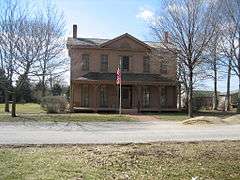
190, 109
43, 87
186, 100
14, 106
215, 101
227, 108
238, 101
6, 101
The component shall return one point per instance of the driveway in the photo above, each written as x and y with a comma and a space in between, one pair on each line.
111, 132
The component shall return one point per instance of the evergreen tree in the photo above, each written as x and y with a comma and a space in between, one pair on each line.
56, 90
68, 93
24, 91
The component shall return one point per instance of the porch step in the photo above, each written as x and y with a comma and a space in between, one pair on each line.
129, 111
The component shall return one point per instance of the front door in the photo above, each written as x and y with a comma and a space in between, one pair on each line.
126, 97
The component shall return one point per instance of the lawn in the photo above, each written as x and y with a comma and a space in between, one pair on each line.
69, 117
205, 160
33, 112
180, 116
25, 108
172, 116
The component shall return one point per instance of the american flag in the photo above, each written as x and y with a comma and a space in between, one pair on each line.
119, 78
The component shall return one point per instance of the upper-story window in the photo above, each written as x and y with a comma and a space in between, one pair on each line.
163, 68
125, 63
85, 62
146, 64
104, 63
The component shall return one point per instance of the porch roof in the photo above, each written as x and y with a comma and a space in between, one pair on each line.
136, 77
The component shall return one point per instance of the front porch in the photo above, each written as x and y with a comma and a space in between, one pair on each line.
100, 96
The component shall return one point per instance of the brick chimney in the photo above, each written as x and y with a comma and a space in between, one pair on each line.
166, 37
74, 31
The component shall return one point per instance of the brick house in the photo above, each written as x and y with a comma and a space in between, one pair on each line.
148, 82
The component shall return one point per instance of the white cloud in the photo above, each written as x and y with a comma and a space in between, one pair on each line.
176, 8
145, 14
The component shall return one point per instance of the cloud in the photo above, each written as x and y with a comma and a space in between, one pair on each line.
176, 8
145, 14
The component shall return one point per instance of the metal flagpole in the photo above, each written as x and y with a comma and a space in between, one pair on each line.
120, 87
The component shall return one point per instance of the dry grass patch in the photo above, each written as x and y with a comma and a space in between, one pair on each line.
202, 120
233, 119
207, 160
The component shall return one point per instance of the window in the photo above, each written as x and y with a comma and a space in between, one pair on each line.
85, 62
125, 63
104, 63
84, 96
103, 97
146, 97
163, 68
146, 65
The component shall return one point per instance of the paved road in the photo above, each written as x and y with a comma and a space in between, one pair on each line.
111, 132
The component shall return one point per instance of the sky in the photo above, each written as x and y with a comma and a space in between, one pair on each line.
108, 18
111, 18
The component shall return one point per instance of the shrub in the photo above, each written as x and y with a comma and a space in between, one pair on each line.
54, 104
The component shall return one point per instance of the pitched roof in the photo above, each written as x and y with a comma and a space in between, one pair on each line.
86, 41
125, 35
125, 77
95, 42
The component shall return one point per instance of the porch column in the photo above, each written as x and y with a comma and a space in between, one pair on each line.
95, 97
159, 98
116, 98
175, 95
139, 100
71, 96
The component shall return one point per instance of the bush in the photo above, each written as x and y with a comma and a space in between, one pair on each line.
54, 104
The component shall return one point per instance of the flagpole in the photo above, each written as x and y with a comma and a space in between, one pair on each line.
120, 87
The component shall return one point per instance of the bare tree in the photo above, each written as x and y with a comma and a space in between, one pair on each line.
232, 38
27, 40
52, 61
191, 25
213, 57
11, 18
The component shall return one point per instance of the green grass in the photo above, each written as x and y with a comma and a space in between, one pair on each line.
180, 116
207, 160
221, 114
25, 108
33, 112
173, 116
69, 117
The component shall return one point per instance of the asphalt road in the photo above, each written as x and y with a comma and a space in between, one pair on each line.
111, 132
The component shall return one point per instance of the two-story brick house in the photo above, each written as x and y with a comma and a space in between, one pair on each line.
148, 83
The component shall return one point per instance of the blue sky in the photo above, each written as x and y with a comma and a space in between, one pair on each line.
111, 18
108, 18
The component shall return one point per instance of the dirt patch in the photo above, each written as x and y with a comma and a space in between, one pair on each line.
233, 119
144, 117
202, 120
